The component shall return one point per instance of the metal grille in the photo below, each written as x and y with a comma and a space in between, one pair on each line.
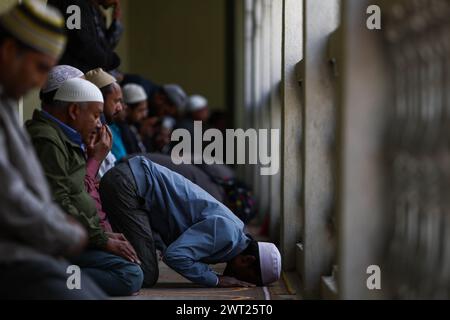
417, 34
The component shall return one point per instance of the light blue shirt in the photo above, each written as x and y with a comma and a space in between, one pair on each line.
198, 229
118, 148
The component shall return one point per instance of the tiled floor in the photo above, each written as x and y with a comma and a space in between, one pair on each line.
172, 286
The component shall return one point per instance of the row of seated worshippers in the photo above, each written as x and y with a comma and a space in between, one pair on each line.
149, 116
55, 212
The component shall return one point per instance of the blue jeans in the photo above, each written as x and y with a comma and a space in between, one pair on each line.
113, 274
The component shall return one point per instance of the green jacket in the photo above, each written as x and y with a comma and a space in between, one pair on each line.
64, 166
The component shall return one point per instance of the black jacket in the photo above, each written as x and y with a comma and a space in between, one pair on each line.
131, 139
89, 47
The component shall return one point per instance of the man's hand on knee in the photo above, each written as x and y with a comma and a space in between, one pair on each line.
123, 249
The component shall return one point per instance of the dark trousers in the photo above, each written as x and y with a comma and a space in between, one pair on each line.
115, 275
44, 279
127, 215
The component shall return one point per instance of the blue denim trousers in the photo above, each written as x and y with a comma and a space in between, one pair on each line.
113, 274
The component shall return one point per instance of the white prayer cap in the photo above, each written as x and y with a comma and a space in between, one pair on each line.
168, 123
270, 262
133, 93
177, 95
79, 90
58, 75
196, 102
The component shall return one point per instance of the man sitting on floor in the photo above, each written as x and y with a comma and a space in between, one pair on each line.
34, 231
113, 106
60, 135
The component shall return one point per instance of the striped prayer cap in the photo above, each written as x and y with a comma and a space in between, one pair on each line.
36, 25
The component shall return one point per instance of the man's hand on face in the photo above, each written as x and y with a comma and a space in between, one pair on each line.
122, 248
230, 282
100, 145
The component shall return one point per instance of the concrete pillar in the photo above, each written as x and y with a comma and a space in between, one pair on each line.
258, 58
363, 87
240, 37
275, 111
264, 105
291, 174
321, 18
244, 72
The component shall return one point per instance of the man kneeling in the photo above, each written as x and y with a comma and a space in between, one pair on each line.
157, 208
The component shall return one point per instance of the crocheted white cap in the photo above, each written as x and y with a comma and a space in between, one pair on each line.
58, 75
79, 90
133, 93
270, 262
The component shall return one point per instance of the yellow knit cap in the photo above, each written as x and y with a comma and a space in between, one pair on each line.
36, 25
